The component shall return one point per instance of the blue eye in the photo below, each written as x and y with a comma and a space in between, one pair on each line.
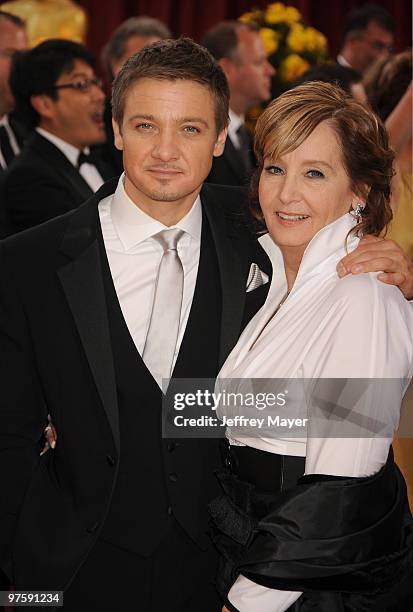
315, 174
273, 170
191, 129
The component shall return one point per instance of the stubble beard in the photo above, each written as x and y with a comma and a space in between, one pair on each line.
165, 196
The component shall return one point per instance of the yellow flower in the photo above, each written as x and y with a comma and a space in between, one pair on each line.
313, 40
296, 39
275, 13
310, 38
270, 40
276, 7
293, 67
278, 13
292, 15
251, 17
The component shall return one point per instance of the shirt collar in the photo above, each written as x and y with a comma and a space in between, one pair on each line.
134, 226
71, 152
4, 121
324, 250
343, 62
235, 121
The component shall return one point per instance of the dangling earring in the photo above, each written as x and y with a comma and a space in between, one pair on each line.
356, 212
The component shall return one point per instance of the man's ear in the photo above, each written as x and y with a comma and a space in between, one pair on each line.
118, 135
44, 105
228, 67
220, 142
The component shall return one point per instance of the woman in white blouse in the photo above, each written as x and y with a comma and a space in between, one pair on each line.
293, 543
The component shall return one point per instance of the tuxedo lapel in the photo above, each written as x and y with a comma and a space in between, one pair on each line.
20, 132
82, 284
60, 164
232, 267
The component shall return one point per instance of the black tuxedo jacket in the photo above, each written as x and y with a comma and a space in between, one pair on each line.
229, 168
57, 358
21, 134
41, 183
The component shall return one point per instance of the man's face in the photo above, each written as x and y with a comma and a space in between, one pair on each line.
76, 116
250, 78
372, 44
168, 137
12, 39
133, 45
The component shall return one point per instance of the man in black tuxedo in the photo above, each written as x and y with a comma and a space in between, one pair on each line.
57, 93
367, 37
240, 52
117, 518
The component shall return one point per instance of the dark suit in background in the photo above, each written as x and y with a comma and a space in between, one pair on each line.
21, 134
109, 153
119, 506
41, 184
234, 166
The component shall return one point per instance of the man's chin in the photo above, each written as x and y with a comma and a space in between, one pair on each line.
166, 196
98, 138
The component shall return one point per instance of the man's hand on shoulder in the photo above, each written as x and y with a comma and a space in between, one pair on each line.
50, 434
380, 255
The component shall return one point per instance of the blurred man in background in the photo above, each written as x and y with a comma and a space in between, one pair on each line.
348, 79
367, 36
12, 38
129, 38
240, 52
59, 97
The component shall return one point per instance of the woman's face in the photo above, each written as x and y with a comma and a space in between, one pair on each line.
305, 189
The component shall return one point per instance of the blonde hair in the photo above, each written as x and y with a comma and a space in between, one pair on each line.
367, 158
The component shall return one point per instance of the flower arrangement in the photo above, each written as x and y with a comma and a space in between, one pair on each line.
291, 46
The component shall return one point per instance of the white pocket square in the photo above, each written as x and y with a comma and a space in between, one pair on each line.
256, 278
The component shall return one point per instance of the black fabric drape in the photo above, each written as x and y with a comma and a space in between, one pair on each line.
350, 539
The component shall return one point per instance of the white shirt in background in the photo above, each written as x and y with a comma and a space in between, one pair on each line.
4, 121
88, 171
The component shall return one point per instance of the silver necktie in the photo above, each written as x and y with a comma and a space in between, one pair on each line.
160, 344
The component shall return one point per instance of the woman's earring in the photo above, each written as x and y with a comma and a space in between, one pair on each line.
356, 212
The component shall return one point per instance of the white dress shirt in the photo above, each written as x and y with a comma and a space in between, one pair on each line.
343, 62
355, 327
235, 121
4, 121
134, 259
88, 171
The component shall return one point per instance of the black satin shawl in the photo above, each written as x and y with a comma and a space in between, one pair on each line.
326, 534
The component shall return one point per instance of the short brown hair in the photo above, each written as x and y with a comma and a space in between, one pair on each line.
367, 157
173, 60
222, 39
134, 26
